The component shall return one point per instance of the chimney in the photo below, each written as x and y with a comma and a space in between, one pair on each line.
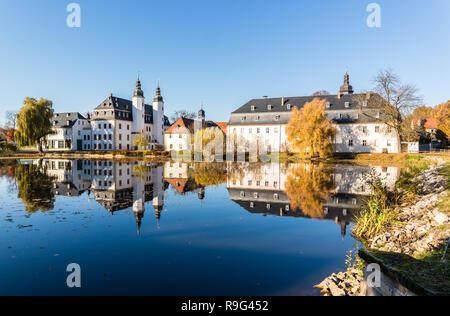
339, 95
282, 101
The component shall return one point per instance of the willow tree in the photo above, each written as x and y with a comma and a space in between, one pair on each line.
309, 132
34, 188
34, 122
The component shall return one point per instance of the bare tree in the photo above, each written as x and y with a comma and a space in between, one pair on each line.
185, 113
11, 119
392, 103
321, 93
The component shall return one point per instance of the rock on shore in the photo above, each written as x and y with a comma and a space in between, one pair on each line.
421, 228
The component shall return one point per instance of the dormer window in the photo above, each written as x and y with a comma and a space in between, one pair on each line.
257, 118
277, 118
269, 107
328, 105
55, 122
289, 106
253, 108
244, 118
68, 122
365, 103
347, 104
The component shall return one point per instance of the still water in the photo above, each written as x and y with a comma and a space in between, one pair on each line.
176, 229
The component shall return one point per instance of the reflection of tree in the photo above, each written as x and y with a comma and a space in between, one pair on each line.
141, 171
307, 186
207, 174
34, 188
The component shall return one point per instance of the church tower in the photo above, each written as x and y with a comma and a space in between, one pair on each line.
158, 117
346, 88
138, 108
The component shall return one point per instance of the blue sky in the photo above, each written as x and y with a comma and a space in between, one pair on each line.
219, 52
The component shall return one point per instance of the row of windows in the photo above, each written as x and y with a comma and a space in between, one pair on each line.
258, 183
365, 143
257, 118
258, 130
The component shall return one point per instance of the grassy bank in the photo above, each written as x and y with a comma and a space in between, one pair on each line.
382, 207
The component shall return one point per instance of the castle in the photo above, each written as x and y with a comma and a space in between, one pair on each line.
114, 124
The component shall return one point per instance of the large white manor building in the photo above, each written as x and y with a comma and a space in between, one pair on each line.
112, 126
264, 121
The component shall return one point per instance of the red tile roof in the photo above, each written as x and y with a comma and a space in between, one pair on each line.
223, 126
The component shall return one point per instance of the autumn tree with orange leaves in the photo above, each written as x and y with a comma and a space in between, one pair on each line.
309, 132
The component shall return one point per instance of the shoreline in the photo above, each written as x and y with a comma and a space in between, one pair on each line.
417, 239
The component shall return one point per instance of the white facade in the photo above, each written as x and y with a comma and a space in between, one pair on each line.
113, 126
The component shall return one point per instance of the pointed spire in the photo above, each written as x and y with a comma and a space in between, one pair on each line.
138, 92
158, 96
346, 88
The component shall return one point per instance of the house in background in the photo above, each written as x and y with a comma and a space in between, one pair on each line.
264, 121
179, 136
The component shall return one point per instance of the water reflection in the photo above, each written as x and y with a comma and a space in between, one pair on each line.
318, 191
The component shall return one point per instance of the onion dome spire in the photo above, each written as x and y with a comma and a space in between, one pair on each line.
158, 96
138, 92
346, 88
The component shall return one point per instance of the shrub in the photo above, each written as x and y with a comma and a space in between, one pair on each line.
7, 147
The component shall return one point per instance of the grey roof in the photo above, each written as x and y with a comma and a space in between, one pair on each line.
122, 109
66, 120
264, 111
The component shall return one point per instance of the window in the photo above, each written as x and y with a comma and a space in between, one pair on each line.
244, 118
258, 131
289, 106
275, 130
269, 107
365, 103
267, 130
277, 117
253, 108
171, 146
350, 143
377, 129
120, 126
365, 143
347, 104
328, 105
364, 129
249, 130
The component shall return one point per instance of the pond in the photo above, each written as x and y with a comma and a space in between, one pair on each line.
138, 228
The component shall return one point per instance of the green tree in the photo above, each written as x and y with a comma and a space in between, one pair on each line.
34, 122
309, 132
141, 140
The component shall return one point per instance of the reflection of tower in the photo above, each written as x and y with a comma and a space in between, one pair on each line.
138, 200
158, 191
343, 228
201, 193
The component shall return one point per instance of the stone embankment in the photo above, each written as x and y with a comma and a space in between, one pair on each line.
421, 228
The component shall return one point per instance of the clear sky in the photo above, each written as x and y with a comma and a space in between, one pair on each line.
219, 52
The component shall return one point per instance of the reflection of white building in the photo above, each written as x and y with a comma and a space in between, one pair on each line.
262, 123
115, 185
260, 189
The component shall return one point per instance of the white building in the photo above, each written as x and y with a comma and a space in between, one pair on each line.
113, 125
263, 122
179, 136
71, 131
